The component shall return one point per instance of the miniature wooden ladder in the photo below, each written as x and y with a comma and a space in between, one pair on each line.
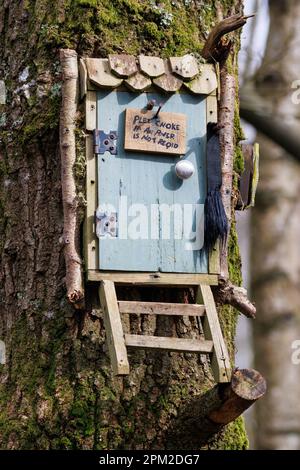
213, 344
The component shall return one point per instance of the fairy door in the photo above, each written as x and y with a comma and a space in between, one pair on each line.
149, 219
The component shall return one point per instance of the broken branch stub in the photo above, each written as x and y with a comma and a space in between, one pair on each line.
216, 48
228, 293
202, 417
245, 388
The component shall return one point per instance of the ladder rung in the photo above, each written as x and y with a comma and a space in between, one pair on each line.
169, 344
161, 308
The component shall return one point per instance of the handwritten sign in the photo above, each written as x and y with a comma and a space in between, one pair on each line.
165, 133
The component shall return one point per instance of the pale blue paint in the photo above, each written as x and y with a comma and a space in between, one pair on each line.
150, 179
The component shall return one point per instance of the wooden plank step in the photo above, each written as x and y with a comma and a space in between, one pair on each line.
169, 344
161, 308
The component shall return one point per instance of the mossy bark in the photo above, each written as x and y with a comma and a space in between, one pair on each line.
56, 388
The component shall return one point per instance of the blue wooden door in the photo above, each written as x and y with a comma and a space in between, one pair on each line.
160, 217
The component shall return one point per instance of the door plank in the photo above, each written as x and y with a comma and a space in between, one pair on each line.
90, 239
90, 110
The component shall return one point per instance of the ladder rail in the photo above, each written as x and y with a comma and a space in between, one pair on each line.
220, 361
113, 328
206, 312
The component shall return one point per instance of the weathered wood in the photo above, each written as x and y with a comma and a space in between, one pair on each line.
138, 82
214, 259
113, 328
217, 50
249, 178
245, 388
71, 233
246, 177
212, 116
83, 78
186, 67
220, 360
255, 177
161, 308
211, 109
90, 239
123, 65
176, 279
91, 110
169, 344
143, 133
99, 73
206, 82
168, 82
151, 66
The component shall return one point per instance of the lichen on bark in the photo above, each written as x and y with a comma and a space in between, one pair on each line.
56, 388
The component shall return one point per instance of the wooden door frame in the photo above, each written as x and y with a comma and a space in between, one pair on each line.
91, 243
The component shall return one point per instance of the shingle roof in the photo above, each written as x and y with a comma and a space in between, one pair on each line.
140, 73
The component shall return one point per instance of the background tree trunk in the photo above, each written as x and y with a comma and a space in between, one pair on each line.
56, 389
275, 241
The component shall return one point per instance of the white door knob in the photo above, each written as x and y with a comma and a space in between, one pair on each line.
184, 169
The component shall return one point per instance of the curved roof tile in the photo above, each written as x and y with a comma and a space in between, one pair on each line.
186, 67
99, 73
123, 65
138, 82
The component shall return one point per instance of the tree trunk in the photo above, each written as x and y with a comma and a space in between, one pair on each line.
275, 241
56, 388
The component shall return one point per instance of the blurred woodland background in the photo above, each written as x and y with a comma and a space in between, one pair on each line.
269, 233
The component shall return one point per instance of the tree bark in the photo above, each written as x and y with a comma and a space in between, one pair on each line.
56, 388
275, 241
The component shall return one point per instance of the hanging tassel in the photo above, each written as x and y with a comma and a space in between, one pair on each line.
215, 220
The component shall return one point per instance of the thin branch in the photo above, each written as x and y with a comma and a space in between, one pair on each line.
71, 234
215, 48
226, 133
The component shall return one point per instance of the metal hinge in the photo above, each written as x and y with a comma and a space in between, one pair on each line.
106, 223
105, 142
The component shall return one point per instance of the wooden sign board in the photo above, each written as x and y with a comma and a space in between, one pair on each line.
147, 133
